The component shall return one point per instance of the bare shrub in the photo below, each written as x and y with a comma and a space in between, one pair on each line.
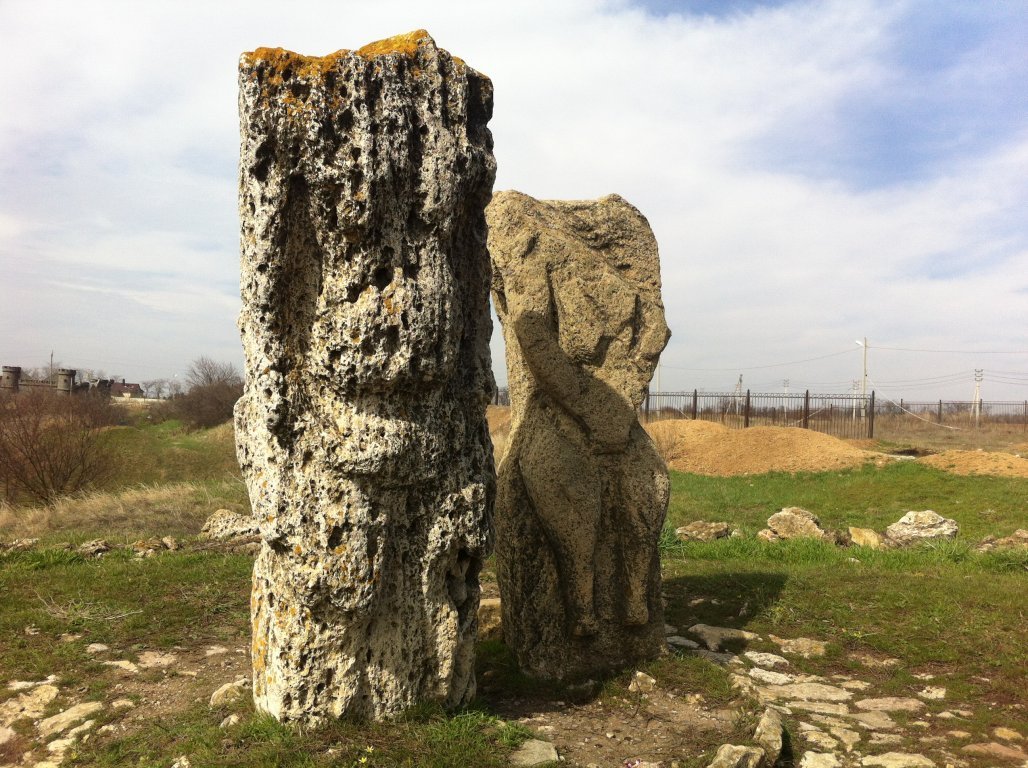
52, 444
213, 390
666, 439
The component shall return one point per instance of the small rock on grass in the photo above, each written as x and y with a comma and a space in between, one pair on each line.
819, 760
6, 735
890, 704
917, 527
715, 637
642, 683
732, 756
701, 530
865, 537
534, 752
94, 548
229, 692
769, 735
182, 762
771, 678
229, 721
800, 646
898, 760
64, 720
932, 693
1007, 734
996, 750
766, 659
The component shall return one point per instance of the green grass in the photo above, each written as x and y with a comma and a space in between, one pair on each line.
941, 609
868, 497
168, 453
424, 739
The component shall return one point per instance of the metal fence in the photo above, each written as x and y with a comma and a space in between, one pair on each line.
845, 415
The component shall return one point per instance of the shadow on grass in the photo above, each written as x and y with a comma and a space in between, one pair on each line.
727, 600
721, 599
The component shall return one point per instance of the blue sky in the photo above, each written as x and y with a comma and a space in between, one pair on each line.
815, 172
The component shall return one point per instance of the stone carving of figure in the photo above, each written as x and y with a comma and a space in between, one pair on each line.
582, 492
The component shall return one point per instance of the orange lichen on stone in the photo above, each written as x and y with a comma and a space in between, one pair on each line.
283, 64
407, 45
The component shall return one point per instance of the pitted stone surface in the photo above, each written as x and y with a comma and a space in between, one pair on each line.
582, 492
361, 434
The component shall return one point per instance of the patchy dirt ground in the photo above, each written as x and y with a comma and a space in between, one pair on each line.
978, 463
706, 448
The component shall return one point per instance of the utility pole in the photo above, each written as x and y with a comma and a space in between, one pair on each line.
738, 393
51, 367
854, 390
979, 374
863, 386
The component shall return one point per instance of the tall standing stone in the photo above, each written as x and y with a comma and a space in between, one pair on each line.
364, 177
582, 492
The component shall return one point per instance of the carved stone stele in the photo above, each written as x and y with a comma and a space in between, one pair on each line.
364, 177
582, 493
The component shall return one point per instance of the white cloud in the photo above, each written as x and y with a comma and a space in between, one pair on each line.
117, 167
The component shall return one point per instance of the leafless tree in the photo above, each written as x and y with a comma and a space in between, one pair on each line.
204, 371
52, 444
213, 390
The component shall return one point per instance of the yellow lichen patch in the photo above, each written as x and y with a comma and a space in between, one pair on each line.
406, 45
279, 62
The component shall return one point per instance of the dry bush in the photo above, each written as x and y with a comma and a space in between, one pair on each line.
667, 439
213, 390
52, 444
178, 509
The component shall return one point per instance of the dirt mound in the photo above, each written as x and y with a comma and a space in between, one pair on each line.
978, 463
706, 448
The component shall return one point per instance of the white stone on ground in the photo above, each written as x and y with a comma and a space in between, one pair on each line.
819, 760
932, 693
808, 692
769, 677
890, 704
898, 760
766, 659
642, 683
715, 637
733, 756
229, 692
534, 752
63, 720
151, 659
800, 646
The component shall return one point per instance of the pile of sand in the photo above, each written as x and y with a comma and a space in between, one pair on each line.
978, 463
706, 448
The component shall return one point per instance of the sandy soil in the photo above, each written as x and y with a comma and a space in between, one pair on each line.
978, 463
707, 448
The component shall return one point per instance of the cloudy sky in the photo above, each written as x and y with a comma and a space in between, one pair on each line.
815, 172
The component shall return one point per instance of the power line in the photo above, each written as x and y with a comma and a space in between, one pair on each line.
955, 351
760, 367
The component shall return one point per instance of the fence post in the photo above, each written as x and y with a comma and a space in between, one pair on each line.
746, 413
695, 403
646, 406
1026, 415
806, 409
940, 411
871, 417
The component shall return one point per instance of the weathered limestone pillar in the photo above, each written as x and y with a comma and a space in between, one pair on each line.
582, 493
364, 177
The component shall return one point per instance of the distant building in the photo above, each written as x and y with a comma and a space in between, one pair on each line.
64, 383
126, 390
